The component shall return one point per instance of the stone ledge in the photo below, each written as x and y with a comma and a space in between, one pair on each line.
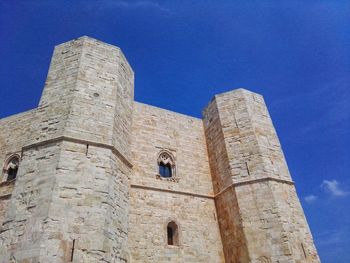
170, 191
75, 140
6, 183
253, 181
211, 196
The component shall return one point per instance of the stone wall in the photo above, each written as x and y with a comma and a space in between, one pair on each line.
232, 234
22, 229
88, 95
89, 205
245, 155
88, 187
228, 211
188, 200
6, 189
14, 133
71, 195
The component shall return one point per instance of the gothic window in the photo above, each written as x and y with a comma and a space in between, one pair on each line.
166, 165
11, 168
172, 234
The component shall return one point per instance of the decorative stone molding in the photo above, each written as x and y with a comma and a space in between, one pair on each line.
11, 163
165, 157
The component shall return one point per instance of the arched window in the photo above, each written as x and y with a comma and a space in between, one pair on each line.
11, 168
172, 234
166, 165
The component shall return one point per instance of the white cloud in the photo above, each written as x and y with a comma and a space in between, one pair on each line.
333, 188
310, 198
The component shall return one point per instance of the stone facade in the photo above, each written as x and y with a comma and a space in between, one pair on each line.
89, 186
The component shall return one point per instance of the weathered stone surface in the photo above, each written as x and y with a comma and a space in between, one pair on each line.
89, 189
249, 168
188, 200
73, 181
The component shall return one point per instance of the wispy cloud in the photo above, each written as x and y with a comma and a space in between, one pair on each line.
334, 237
333, 244
333, 108
138, 4
333, 187
310, 198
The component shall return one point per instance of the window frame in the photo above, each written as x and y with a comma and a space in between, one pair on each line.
6, 168
166, 158
176, 234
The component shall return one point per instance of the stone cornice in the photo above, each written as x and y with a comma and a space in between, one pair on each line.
81, 141
233, 185
253, 181
145, 187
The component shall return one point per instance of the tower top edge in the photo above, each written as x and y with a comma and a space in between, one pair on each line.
234, 91
238, 90
88, 39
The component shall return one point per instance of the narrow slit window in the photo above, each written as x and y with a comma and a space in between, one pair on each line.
72, 251
172, 234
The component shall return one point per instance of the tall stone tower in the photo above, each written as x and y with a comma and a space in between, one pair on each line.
90, 175
71, 194
260, 216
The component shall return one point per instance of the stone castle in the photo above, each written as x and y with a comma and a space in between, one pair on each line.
90, 175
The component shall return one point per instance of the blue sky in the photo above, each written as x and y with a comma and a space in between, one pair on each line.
295, 53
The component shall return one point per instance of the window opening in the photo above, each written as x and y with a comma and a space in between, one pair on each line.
165, 170
172, 234
12, 168
166, 165
72, 251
